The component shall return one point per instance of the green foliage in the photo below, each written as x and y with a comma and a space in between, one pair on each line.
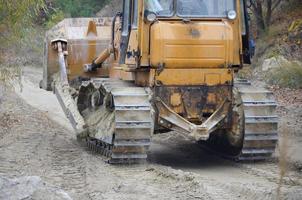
60, 9
80, 8
245, 73
289, 76
10, 77
54, 18
16, 14
16, 23
17, 37
271, 53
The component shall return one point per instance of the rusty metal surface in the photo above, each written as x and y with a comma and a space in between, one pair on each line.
86, 38
197, 102
171, 120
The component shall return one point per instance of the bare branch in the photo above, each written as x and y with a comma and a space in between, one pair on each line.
276, 4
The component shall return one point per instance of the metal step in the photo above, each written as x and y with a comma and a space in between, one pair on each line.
132, 143
258, 151
132, 124
255, 144
136, 107
242, 82
134, 133
260, 110
261, 119
132, 115
128, 156
254, 158
122, 101
257, 97
257, 137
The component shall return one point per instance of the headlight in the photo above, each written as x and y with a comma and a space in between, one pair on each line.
232, 14
150, 16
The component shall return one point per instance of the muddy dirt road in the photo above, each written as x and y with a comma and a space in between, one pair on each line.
36, 140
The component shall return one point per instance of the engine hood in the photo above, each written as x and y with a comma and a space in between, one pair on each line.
194, 44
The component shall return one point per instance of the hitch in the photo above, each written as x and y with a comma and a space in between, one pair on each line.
170, 119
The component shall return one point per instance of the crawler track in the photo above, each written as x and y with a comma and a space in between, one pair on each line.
260, 126
129, 140
261, 122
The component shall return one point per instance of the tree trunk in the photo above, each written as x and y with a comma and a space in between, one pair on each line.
268, 13
258, 11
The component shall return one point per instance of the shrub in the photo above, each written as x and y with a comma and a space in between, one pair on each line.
289, 75
54, 18
10, 78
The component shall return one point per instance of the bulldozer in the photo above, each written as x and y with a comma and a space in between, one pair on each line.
160, 66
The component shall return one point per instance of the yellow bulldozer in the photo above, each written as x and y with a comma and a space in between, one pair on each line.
160, 66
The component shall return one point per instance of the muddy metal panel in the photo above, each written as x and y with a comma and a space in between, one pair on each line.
86, 38
194, 103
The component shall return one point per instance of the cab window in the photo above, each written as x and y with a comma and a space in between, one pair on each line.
135, 14
204, 8
162, 8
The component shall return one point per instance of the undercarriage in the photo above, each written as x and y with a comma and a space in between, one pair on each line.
118, 120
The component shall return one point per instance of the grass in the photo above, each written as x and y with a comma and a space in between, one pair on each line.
245, 73
289, 75
10, 77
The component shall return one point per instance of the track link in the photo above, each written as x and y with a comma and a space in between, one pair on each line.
261, 122
132, 122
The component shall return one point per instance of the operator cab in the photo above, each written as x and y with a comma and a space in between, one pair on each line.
206, 20
191, 8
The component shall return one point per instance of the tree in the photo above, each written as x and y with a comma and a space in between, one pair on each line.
16, 16
263, 11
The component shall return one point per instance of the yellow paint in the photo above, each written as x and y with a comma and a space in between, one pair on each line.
211, 98
175, 99
194, 77
192, 45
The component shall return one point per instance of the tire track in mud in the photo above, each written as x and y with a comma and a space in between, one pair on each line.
68, 168
248, 181
201, 187
271, 172
16, 145
37, 146
67, 163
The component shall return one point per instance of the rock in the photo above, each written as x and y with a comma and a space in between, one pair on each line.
274, 62
29, 187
